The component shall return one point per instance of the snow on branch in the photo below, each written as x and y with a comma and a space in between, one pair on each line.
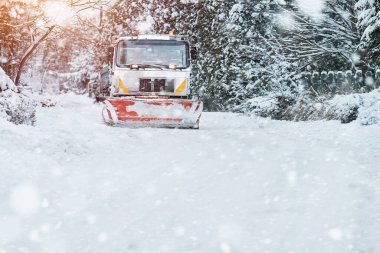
5, 82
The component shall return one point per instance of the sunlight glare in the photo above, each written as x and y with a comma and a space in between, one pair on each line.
58, 12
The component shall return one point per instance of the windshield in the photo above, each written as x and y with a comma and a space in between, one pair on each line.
153, 53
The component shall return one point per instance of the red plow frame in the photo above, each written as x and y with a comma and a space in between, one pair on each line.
152, 112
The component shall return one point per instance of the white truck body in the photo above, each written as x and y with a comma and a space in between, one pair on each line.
150, 84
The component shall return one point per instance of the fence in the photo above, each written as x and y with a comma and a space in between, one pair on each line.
341, 82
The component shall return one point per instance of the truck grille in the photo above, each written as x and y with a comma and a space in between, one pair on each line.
157, 85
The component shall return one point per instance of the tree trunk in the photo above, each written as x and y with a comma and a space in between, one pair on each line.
29, 52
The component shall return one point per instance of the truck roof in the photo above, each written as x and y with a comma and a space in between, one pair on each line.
154, 37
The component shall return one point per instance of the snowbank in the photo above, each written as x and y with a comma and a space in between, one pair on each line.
364, 108
15, 107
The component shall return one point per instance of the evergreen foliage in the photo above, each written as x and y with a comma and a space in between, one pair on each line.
248, 50
368, 22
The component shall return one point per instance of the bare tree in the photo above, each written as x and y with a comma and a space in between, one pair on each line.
32, 48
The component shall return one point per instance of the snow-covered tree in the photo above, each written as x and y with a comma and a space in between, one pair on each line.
15, 107
174, 15
327, 43
124, 17
211, 42
369, 26
247, 53
19, 29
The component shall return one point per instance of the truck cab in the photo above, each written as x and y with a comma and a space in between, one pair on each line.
157, 65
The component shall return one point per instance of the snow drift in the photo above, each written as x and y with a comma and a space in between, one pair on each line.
15, 106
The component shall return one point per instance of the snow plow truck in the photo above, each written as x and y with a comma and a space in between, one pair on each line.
147, 83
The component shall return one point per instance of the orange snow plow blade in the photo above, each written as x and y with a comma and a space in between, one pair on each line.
152, 112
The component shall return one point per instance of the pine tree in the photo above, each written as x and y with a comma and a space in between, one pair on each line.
247, 53
369, 26
211, 41
328, 43
174, 15
124, 17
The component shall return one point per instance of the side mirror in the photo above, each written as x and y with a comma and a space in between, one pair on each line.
110, 55
193, 53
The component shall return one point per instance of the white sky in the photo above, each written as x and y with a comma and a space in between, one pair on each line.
312, 8
59, 12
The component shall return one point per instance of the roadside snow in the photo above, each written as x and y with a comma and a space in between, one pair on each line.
5, 81
15, 106
363, 108
239, 184
366, 104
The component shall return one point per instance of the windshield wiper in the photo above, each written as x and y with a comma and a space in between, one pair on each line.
166, 66
159, 66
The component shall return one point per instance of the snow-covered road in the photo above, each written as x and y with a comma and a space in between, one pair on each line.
237, 185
